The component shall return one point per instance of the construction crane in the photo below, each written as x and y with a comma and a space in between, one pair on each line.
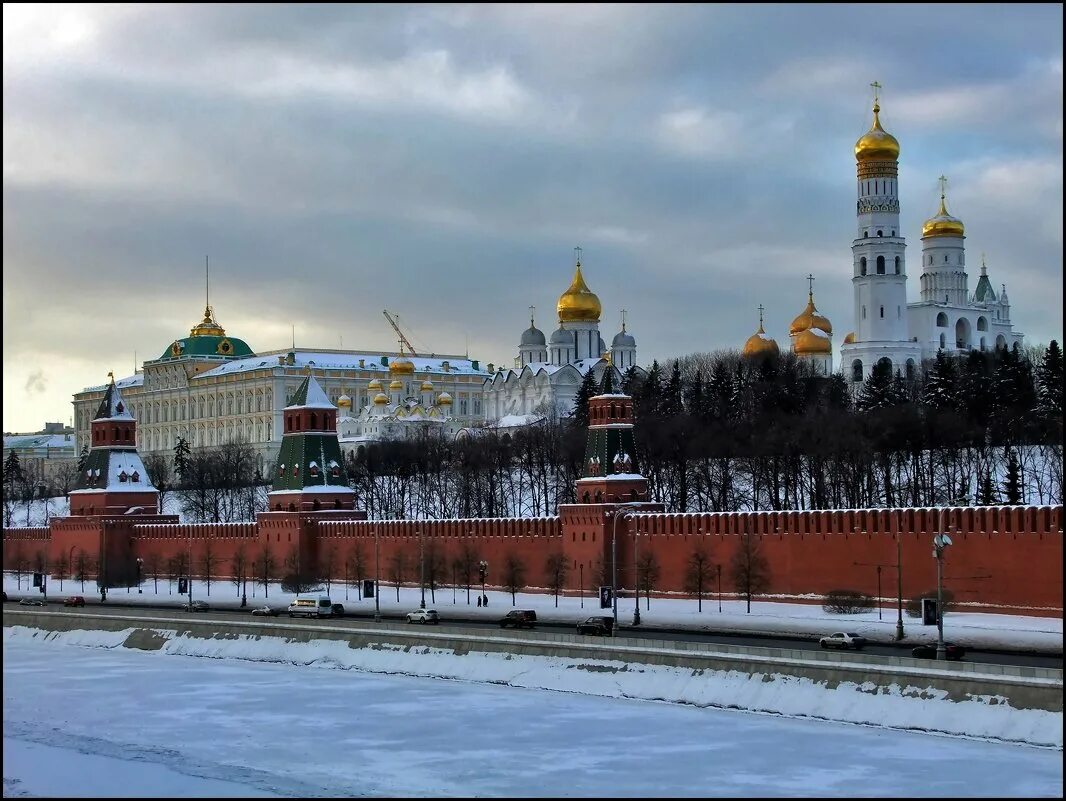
404, 341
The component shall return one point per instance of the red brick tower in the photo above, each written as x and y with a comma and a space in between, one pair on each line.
113, 480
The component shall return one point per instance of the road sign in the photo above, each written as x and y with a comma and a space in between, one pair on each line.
606, 597
928, 611
368, 588
38, 579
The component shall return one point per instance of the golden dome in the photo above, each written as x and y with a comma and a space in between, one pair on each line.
811, 341
401, 365
444, 399
578, 303
396, 385
374, 385
760, 344
344, 402
810, 318
850, 339
207, 327
943, 224
876, 144
427, 386
381, 399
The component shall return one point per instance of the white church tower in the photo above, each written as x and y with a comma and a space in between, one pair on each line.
879, 270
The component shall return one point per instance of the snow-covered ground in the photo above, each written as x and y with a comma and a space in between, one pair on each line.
83, 717
973, 630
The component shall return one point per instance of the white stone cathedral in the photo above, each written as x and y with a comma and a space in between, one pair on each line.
947, 317
548, 373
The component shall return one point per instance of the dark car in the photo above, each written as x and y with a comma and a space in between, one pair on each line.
196, 606
519, 618
31, 602
602, 626
338, 610
928, 651
74, 600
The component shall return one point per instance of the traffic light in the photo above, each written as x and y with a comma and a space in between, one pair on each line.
368, 588
606, 597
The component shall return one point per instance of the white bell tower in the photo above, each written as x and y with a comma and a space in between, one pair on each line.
879, 270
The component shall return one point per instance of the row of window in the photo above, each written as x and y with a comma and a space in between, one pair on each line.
880, 264
880, 232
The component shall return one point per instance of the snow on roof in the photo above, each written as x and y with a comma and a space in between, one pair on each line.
112, 407
122, 383
28, 441
128, 463
516, 420
334, 360
818, 332
310, 396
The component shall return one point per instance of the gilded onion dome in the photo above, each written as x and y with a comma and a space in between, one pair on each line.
396, 385
876, 144
427, 386
344, 402
401, 365
942, 223
374, 385
812, 341
760, 343
810, 318
850, 339
381, 399
578, 303
444, 399
207, 327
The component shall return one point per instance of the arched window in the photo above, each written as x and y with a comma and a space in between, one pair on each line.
1001, 342
945, 259
885, 363
943, 341
856, 370
910, 369
864, 312
982, 324
862, 266
865, 234
880, 265
942, 320
880, 233
314, 420
897, 265
882, 312
982, 343
930, 259
893, 233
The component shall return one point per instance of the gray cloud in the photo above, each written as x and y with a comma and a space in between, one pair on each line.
442, 161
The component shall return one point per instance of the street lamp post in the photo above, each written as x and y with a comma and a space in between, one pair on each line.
140, 563
581, 581
377, 577
70, 567
422, 568
636, 582
879, 592
718, 570
899, 580
621, 511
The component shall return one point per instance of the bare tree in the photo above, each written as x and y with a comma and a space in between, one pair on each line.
555, 568
750, 570
239, 568
514, 575
298, 577
266, 569
697, 574
647, 575
465, 566
178, 566
20, 562
61, 568
436, 568
161, 474
328, 565
354, 566
153, 567
83, 567
208, 562
398, 570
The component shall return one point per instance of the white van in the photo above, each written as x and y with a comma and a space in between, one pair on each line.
311, 606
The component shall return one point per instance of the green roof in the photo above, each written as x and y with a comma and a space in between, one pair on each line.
308, 460
984, 293
220, 347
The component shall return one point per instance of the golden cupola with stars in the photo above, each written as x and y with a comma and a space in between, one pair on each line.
760, 343
876, 144
578, 303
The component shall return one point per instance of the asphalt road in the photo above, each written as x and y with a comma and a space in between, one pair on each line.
229, 610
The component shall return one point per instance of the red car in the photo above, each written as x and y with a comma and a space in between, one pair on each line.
74, 600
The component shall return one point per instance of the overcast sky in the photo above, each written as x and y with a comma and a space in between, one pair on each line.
443, 161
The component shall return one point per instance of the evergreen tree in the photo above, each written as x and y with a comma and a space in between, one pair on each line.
83, 457
941, 390
837, 395
1012, 486
13, 474
986, 493
181, 459
694, 403
877, 392
631, 382
607, 384
1049, 381
649, 397
975, 389
587, 390
672, 393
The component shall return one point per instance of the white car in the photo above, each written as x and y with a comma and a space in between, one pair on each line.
843, 640
423, 616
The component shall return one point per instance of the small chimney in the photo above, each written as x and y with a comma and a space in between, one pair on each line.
362, 363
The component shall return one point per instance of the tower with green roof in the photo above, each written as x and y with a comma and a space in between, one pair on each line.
309, 473
609, 473
113, 480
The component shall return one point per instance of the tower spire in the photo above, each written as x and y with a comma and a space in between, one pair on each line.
984, 268
624, 311
532, 310
207, 280
810, 287
577, 255
761, 331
